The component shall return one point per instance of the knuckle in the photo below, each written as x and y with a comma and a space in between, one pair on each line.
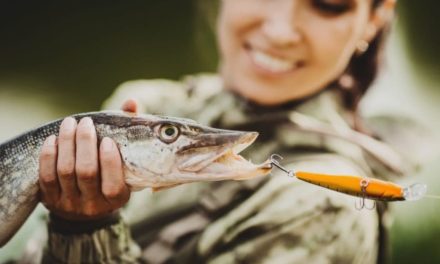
68, 204
91, 210
87, 173
114, 192
66, 170
48, 180
85, 134
47, 153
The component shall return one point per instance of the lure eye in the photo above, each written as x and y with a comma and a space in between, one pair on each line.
168, 133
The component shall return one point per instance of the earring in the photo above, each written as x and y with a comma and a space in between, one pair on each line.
362, 46
346, 81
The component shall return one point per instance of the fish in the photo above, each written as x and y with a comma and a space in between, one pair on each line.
157, 152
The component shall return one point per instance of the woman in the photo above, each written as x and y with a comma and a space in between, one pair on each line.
290, 69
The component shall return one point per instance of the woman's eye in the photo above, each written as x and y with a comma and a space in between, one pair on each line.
332, 7
168, 133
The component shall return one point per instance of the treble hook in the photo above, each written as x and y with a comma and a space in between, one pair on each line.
362, 204
274, 161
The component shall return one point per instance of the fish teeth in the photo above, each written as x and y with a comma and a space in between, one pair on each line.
270, 62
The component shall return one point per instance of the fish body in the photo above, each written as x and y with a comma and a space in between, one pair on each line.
157, 152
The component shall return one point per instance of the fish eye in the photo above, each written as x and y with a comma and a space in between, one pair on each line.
168, 133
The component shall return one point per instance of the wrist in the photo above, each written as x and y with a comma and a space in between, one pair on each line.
64, 226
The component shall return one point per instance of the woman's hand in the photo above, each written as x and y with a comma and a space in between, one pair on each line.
78, 180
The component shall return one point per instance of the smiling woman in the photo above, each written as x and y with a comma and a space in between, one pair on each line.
277, 51
287, 67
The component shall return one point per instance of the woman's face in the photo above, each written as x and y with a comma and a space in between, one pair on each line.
274, 51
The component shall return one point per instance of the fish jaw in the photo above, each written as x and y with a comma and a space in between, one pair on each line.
229, 166
208, 148
222, 161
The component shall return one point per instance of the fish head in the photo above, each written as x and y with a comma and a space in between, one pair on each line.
162, 152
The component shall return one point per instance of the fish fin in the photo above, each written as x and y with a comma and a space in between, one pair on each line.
161, 188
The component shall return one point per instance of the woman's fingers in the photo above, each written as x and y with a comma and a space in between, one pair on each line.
48, 180
113, 185
66, 158
73, 185
86, 166
130, 106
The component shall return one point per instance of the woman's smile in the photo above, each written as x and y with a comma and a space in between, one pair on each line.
265, 63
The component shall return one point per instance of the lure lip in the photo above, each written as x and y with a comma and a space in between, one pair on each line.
414, 192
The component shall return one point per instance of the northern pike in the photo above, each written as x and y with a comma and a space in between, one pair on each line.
157, 152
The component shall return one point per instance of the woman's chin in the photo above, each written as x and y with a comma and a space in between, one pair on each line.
263, 94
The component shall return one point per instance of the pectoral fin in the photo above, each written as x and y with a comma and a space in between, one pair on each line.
161, 188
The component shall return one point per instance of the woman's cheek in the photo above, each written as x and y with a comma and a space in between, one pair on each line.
332, 42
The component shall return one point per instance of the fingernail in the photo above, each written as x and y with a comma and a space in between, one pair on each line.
107, 144
51, 140
87, 121
69, 123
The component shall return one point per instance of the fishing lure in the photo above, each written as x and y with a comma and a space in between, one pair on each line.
365, 188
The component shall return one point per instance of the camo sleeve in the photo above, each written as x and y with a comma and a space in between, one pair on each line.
105, 241
182, 98
288, 221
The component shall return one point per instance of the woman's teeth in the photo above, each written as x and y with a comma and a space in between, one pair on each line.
271, 63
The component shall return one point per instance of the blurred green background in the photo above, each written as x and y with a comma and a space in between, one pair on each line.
63, 57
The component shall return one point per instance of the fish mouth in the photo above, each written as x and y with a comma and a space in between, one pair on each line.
220, 162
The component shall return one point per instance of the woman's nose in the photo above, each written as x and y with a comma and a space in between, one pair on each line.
281, 29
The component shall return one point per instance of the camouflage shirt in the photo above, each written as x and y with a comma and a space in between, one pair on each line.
273, 219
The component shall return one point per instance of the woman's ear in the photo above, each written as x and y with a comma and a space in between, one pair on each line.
381, 16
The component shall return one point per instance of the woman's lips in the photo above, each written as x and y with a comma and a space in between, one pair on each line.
270, 64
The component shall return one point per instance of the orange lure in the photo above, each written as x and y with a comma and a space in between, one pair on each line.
357, 186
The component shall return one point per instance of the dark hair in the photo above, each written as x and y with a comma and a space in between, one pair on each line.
364, 68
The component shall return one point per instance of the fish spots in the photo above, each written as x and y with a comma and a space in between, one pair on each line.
3, 202
133, 164
21, 199
12, 208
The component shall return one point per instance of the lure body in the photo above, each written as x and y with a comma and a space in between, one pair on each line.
356, 186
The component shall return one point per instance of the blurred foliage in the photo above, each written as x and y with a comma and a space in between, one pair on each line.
420, 25
80, 51
416, 230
